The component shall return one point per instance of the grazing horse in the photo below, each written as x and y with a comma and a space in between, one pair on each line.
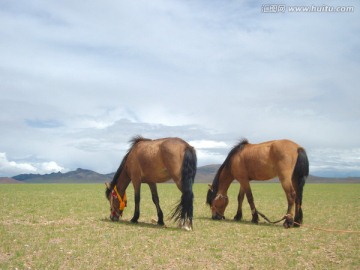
155, 161
264, 161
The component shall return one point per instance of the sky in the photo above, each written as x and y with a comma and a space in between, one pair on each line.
79, 79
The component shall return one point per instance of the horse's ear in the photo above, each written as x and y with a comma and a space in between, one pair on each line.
107, 185
210, 187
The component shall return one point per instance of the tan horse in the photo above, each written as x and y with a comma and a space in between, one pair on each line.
155, 161
264, 161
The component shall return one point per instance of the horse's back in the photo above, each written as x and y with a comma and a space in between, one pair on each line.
276, 149
284, 155
172, 153
284, 147
158, 160
266, 160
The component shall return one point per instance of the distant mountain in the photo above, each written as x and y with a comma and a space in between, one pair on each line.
317, 179
78, 176
8, 180
205, 174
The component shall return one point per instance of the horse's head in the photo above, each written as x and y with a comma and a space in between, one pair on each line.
218, 206
117, 204
217, 203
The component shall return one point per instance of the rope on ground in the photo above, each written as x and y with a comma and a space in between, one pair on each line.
306, 226
326, 230
268, 220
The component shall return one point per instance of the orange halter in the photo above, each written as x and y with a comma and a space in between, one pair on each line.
122, 204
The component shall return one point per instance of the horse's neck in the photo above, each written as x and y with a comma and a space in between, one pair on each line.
225, 179
123, 182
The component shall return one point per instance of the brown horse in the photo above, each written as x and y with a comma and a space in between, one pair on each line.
264, 161
155, 161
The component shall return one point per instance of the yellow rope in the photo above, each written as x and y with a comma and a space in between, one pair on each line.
122, 201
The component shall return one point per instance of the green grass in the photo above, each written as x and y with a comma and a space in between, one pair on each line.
52, 226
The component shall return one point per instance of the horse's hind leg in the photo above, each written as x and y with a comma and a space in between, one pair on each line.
241, 195
187, 209
298, 219
298, 213
290, 195
156, 201
183, 212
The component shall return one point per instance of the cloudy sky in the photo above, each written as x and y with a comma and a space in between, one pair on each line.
78, 79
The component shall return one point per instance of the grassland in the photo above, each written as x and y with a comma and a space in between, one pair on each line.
65, 226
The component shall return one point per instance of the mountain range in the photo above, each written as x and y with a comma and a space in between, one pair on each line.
205, 174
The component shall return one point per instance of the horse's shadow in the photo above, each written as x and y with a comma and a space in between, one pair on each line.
150, 225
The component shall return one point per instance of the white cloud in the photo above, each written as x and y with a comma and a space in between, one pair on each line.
51, 166
335, 162
12, 168
206, 157
206, 144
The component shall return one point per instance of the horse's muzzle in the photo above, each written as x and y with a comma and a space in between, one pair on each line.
217, 216
114, 218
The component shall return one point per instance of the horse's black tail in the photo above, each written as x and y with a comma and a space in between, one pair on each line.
300, 173
184, 210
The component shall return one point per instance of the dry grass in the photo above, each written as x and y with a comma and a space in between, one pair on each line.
66, 226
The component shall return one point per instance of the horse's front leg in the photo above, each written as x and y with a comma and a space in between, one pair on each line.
137, 202
250, 198
156, 201
241, 195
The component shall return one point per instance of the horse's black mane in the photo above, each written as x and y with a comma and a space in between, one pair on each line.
133, 142
215, 185
137, 139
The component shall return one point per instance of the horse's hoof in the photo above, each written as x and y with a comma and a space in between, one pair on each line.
158, 222
297, 223
255, 218
238, 217
134, 221
187, 227
288, 223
